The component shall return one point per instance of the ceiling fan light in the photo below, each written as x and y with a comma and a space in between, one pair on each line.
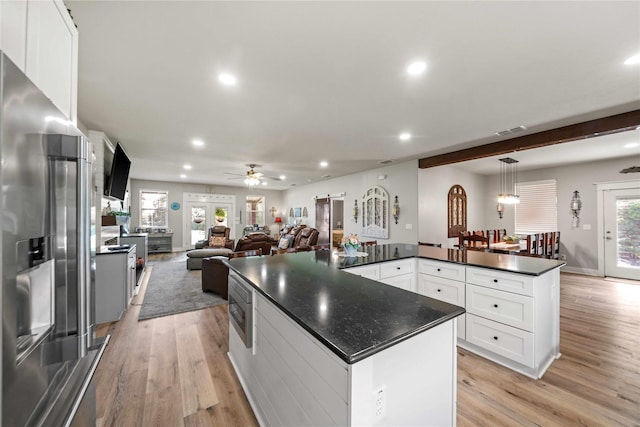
252, 181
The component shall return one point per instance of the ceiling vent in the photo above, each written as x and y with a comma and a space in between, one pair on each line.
512, 130
385, 162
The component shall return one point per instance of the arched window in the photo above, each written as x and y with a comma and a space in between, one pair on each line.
457, 211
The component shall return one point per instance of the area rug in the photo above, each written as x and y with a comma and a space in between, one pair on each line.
174, 289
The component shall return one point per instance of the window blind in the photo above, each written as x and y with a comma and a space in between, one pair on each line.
537, 211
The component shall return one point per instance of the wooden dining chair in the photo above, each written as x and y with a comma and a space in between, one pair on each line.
241, 254
496, 235
368, 243
468, 240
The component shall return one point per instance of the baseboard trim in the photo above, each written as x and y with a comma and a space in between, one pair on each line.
578, 270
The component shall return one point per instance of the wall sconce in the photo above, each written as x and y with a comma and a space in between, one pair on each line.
355, 210
576, 206
395, 210
273, 211
500, 209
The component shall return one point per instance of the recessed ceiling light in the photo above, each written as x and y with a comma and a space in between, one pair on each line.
283, 177
635, 59
404, 136
183, 176
187, 167
416, 68
324, 163
227, 79
632, 145
198, 142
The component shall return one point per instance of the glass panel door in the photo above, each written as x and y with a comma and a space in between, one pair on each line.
198, 223
622, 233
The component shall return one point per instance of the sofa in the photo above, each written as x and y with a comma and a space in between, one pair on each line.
256, 240
299, 237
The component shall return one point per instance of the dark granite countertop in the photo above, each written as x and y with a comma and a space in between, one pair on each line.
510, 263
356, 317
353, 316
114, 249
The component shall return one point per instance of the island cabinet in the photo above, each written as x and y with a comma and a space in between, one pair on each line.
292, 379
513, 319
313, 345
446, 282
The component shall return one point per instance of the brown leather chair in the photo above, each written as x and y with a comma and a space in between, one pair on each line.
217, 231
305, 238
215, 275
255, 241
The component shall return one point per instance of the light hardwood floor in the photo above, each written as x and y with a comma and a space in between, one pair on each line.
174, 370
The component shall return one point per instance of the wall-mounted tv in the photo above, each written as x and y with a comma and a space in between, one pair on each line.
116, 181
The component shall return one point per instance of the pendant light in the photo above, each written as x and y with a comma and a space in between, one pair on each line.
508, 181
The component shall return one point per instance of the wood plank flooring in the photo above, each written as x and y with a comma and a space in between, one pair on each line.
174, 370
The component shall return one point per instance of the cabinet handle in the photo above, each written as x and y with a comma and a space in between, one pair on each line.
438, 269
397, 268
439, 290
495, 338
495, 280
495, 305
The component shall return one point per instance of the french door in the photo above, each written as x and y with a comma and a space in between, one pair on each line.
201, 211
622, 233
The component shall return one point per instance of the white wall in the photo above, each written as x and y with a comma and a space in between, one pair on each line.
578, 245
176, 190
401, 180
433, 192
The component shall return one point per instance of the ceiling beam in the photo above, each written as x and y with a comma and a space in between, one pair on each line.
598, 127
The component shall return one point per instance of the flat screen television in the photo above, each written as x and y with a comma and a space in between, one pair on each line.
116, 181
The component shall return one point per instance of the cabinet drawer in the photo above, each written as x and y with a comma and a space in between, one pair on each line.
442, 289
396, 268
447, 270
404, 281
510, 309
511, 282
368, 271
506, 341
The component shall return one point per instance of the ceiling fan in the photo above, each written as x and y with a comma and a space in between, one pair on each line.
251, 177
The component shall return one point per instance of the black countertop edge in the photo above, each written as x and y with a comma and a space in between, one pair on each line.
104, 250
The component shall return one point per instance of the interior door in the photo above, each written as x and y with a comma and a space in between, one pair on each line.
323, 216
622, 233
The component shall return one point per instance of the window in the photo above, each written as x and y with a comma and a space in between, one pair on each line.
457, 211
255, 210
537, 210
154, 208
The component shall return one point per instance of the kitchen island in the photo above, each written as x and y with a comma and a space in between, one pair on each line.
319, 346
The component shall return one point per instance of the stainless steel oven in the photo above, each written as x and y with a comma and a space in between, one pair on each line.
241, 308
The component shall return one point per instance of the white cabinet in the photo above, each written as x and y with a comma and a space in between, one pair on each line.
371, 271
13, 31
400, 274
41, 39
445, 282
140, 240
115, 284
513, 319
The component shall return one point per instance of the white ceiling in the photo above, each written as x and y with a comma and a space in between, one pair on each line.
326, 80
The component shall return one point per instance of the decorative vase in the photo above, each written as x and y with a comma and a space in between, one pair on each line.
350, 250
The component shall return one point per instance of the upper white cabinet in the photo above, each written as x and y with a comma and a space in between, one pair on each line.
41, 38
13, 31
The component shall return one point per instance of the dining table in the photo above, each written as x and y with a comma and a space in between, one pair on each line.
513, 246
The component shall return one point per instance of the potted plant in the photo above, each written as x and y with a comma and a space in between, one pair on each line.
221, 214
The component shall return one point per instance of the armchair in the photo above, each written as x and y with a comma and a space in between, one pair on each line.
217, 231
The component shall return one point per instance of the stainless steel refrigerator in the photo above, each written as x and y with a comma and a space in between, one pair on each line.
48, 259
